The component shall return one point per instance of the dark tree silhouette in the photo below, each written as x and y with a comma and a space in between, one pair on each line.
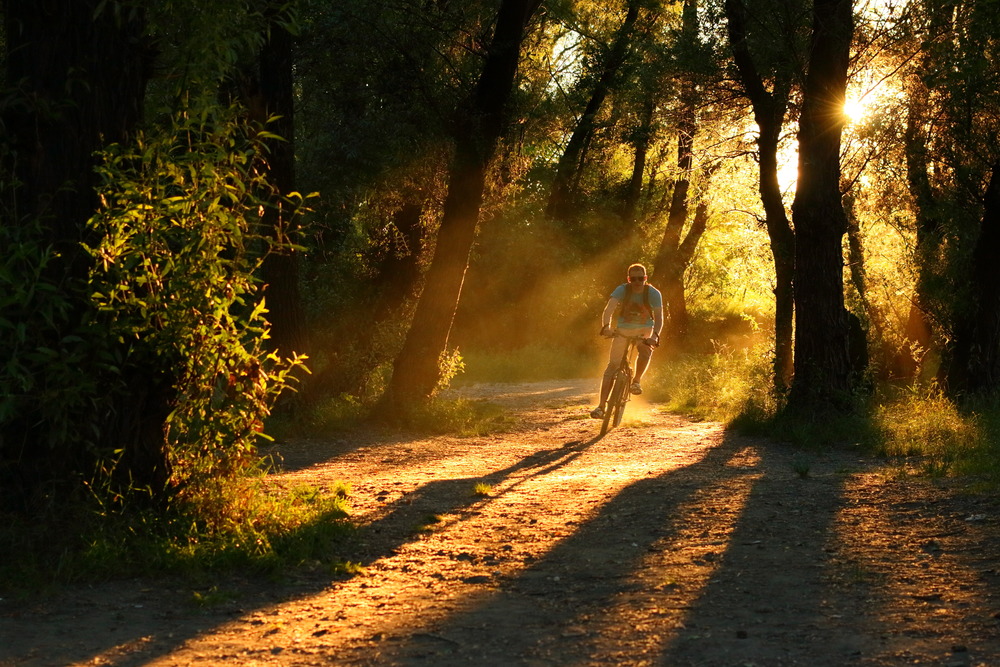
281, 267
769, 108
81, 68
479, 127
822, 360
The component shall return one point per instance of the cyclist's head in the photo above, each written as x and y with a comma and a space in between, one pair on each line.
637, 273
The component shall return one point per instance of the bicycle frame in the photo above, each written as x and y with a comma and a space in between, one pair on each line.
620, 393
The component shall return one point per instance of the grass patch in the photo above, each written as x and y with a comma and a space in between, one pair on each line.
460, 416
331, 414
726, 385
947, 438
234, 525
528, 364
482, 489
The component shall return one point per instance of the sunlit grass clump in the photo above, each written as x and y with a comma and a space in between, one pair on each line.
948, 438
720, 386
241, 524
460, 416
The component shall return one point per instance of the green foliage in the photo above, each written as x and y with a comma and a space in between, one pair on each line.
726, 384
482, 489
459, 416
245, 524
945, 438
539, 361
173, 282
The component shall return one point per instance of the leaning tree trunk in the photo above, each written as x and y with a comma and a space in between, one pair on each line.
668, 266
416, 371
822, 361
769, 109
560, 205
642, 139
82, 70
674, 255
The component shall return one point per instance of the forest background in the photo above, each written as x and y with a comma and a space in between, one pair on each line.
228, 218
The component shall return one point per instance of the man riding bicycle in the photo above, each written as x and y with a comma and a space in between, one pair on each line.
641, 316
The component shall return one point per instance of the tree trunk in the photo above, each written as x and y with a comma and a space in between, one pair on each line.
642, 139
822, 364
671, 281
769, 108
560, 205
917, 331
975, 365
82, 70
671, 260
416, 370
281, 265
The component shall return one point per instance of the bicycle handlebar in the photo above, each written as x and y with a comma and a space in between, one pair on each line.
650, 342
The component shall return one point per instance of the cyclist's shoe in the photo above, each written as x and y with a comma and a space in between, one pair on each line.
636, 388
597, 413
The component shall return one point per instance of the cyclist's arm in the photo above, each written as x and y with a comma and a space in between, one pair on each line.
657, 321
609, 312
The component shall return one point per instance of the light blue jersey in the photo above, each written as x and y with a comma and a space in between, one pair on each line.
635, 315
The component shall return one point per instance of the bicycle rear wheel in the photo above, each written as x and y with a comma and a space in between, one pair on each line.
614, 399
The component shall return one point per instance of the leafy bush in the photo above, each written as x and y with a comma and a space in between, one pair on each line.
174, 279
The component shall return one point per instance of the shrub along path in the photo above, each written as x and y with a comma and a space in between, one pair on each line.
667, 542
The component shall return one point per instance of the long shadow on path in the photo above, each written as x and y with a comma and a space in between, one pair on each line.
696, 566
119, 629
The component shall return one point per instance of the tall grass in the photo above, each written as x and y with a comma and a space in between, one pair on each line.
946, 438
720, 386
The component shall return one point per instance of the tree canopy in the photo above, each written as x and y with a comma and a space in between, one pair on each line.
197, 194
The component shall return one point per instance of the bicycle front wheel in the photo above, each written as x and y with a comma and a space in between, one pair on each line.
623, 382
612, 415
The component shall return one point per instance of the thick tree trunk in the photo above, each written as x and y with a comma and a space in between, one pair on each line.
822, 362
416, 370
975, 365
769, 108
560, 205
668, 266
82, 70
281, 266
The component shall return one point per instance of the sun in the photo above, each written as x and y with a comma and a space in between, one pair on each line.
855, 109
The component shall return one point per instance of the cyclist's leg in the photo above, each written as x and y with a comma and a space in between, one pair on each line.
618, 345
642, 359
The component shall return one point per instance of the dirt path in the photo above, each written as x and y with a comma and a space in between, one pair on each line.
667, 542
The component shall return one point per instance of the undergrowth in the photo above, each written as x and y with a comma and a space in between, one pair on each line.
916, 424
438, 416
241, 524
529, 364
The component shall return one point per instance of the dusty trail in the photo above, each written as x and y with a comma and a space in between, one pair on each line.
666, 542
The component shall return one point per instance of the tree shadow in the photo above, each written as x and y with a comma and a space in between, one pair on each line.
716, 518
122, 638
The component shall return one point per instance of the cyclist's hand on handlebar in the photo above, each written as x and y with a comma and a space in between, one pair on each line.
652, 342
606, 331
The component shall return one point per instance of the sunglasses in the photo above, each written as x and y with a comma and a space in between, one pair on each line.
637, 279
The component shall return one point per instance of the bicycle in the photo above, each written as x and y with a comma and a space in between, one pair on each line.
621, 385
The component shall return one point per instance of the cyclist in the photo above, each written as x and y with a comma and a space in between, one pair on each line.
641, 316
